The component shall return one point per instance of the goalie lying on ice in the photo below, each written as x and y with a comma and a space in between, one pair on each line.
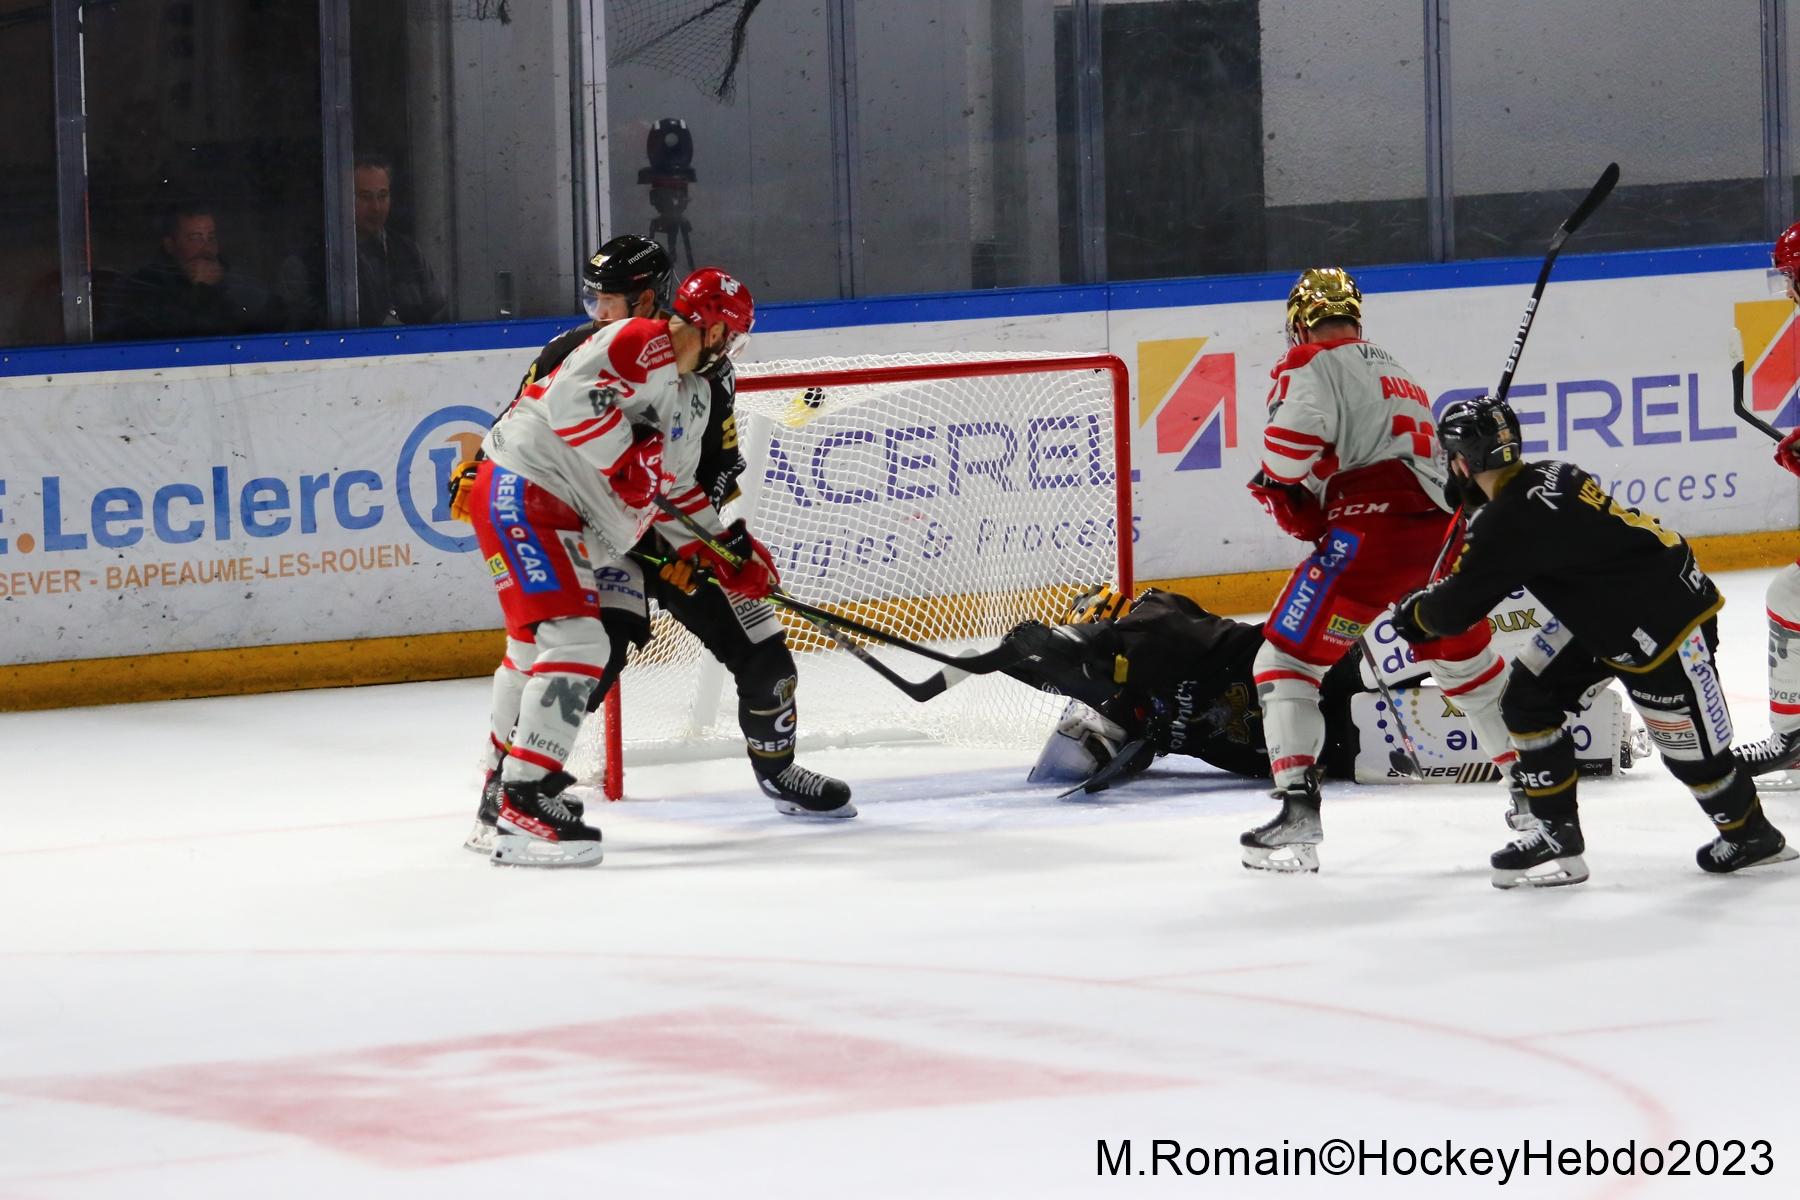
1169, 677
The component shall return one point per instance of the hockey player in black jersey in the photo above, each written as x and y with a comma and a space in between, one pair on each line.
630, 276
1169, 677
1629, 602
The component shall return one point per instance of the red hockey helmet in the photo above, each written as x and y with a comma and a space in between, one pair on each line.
708, 296
1786, 256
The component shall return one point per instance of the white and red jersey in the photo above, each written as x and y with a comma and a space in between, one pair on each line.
1338, 409
566, 431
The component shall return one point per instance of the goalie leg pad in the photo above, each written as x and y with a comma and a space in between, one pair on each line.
1784, 651
1475, 686
1288, 691
572, 655
1082, 742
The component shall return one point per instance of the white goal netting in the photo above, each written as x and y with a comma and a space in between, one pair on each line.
944, 498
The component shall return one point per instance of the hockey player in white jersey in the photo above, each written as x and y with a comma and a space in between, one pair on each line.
630, 276
1781, 749
1350, 464
567, 485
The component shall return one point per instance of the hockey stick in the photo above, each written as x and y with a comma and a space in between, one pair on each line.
921, 691
1600, 191
1407, 762
1737, 396
983, 663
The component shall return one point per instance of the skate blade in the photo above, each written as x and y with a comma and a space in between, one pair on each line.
1558, 872
524, 850
480, 839
789, 808
1779, 781
1294, 859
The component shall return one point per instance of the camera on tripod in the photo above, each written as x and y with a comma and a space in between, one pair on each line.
670, 149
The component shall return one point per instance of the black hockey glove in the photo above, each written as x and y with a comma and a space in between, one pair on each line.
1462, 492
1406, 618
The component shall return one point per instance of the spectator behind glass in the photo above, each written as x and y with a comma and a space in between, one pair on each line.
394, 283
188, 290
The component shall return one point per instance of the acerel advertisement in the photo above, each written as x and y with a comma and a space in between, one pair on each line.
183, 509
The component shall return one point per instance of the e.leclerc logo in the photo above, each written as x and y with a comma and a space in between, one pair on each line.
218, 504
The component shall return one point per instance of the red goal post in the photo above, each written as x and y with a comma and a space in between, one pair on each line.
944, 497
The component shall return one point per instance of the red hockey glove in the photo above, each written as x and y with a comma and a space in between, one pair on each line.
755, 575
638, 475
1787, 452
1294, 507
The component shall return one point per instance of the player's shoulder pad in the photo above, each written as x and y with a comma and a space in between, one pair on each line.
560, 347
638, 346
1299, 356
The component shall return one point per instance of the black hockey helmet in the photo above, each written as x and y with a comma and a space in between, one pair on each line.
628, 266
1483, 432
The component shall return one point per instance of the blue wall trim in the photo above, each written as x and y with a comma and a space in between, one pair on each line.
884, 310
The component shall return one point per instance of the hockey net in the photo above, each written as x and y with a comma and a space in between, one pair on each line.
944, 498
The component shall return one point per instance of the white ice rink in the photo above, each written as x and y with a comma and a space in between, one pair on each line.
243, 954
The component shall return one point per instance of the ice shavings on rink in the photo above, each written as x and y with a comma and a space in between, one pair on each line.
245, 955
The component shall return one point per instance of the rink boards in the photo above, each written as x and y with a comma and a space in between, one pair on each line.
275, 516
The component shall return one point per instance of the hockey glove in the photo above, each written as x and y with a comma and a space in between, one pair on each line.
1406, 618
681, 575
462, 487
638, 475
1787, 452
754, 576
1294, 507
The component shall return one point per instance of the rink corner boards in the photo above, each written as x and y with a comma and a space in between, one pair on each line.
252, 669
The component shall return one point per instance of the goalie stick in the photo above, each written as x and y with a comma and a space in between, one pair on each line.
923, 690
982, 663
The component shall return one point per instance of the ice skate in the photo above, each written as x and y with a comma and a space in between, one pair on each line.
481, 837
1289, 842
798, 792
536, 827
1777, 752
1753, 844
1546, 855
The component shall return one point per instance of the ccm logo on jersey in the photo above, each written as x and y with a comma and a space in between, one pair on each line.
1360, 509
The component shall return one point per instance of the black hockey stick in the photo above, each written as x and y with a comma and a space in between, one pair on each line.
923, 690
1600, 191
1742, 409
984, 663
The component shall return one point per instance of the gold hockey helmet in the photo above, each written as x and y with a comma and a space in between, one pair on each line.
1322, 293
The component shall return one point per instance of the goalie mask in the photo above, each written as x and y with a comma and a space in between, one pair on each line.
1483, 432
1102, 602
1320, 294
627, 266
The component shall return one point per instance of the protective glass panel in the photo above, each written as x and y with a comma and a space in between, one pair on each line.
30, 275
956, 148
204, 160
1245, 137
1546, 94
720, 137
464, 205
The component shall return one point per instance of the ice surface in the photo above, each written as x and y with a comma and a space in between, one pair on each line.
245, 955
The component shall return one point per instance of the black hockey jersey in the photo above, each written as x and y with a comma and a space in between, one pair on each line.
1622, 585
1170, 669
